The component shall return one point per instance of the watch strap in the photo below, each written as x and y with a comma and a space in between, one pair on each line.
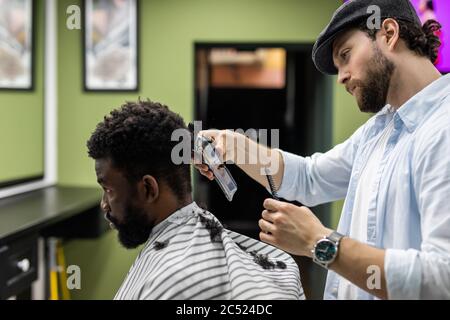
335, 237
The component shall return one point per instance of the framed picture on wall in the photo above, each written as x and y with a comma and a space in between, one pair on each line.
110, 42
16, 45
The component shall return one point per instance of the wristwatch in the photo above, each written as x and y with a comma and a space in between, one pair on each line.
326, 249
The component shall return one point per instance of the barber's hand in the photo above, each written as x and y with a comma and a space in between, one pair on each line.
290, 228
205, 171
225, 142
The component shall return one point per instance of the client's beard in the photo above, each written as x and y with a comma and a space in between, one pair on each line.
134, 229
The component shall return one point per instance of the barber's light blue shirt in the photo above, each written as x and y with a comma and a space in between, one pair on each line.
409, 208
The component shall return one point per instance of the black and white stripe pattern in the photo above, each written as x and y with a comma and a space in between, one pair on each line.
190, 256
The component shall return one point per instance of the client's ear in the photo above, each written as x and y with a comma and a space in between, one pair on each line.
151, 188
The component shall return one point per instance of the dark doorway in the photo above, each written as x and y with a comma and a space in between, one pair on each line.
262, 86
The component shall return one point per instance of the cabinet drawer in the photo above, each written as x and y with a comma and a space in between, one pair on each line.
18, 266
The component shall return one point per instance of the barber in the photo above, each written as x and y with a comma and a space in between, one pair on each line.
393, 238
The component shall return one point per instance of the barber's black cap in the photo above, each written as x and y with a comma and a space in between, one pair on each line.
349, 14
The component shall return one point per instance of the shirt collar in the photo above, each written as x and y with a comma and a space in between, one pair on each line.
388, 109
416, 108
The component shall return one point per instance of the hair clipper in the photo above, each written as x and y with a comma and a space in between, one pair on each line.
205, 148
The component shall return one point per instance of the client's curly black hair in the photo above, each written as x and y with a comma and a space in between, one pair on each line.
137, 139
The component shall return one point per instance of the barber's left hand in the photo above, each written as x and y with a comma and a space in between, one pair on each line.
291, 228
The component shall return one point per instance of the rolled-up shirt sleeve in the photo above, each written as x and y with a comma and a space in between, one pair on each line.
425, 273
321, 178
413, 274
405, 265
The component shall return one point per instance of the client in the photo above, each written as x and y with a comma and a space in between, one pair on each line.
188, 254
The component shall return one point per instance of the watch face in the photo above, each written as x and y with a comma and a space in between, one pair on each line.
325, 250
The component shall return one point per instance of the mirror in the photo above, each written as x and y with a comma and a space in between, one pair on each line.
22, 105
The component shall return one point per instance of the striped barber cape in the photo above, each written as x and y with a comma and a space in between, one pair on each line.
190, 256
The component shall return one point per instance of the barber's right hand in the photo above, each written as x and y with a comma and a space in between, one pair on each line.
224, 142
205, 171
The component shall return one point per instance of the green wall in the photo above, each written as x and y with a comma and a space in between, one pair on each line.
103, 264
22, 119
169, 29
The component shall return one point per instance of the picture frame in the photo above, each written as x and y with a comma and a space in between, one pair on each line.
17, 45
111, 45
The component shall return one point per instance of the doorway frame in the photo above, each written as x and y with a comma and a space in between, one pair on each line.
321, 141
324, 132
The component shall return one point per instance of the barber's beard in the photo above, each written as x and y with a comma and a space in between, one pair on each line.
134, 229
374, 89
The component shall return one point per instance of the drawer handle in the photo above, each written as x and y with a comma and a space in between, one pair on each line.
24, 265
